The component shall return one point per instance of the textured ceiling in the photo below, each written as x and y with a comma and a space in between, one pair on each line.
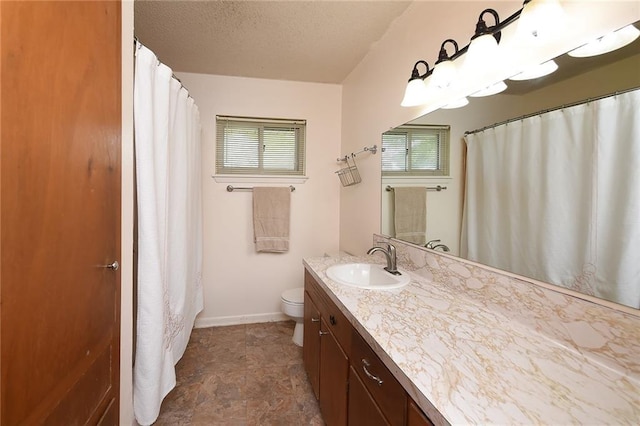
314, 41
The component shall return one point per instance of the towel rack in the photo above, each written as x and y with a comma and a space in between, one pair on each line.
429, 188
349, 174
372, 149
237, 188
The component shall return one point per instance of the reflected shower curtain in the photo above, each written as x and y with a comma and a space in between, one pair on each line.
556, 197
167, 141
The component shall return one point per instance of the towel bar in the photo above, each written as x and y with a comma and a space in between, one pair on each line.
237, 188
429, 188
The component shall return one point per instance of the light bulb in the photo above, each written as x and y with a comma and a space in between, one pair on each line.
482, 50
444, 74
415, 94
540, 19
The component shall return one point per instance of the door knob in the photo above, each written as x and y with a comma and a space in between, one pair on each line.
115, 265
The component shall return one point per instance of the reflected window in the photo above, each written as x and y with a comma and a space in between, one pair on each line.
416, 150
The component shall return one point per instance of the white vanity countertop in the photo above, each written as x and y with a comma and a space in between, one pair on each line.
480, 348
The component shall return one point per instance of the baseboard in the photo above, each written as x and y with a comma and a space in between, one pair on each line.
239, 319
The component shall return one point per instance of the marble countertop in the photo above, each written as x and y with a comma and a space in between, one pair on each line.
472, 348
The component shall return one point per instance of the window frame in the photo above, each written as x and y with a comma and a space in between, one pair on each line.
223, 122
443, 133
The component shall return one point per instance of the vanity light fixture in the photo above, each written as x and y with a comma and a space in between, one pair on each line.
483, 48
607, 43
491, 90
540, 19
483, 42
538, 71
482, 52
445, 70
416, 92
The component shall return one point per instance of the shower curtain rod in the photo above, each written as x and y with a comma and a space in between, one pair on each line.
544, 111
137, 42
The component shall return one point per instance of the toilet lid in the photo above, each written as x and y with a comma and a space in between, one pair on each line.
295, 295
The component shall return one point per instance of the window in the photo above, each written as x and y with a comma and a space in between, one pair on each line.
416, 150
260, 146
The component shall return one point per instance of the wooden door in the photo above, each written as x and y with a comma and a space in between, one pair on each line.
60, 212
334, 376
311, 347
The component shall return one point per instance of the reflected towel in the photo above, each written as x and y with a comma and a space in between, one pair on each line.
271, 208
411, 214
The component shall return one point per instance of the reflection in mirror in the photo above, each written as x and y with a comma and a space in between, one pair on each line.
576, 80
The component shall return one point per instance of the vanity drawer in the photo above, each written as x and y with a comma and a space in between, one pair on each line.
313, 288
383, 387
336, 322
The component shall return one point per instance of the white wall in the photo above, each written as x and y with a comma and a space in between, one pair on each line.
126, 240
373, 91
241, 285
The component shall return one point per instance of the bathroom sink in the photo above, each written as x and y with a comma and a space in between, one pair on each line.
365, 275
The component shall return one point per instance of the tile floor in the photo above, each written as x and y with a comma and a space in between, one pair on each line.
241, 375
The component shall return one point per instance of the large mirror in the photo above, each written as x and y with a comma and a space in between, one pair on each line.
576, 80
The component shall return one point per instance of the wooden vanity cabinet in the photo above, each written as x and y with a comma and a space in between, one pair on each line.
352, 384
334, 378
363, 409
311, 345
326, 358
415, 416
379, 382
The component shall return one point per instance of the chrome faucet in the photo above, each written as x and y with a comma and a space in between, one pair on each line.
430, 245
390, 254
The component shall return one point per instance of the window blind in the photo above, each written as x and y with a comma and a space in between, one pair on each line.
260, 146
416, 151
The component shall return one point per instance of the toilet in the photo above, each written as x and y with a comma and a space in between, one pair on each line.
292, 302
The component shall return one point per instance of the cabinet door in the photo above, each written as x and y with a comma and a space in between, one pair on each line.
334, 373
388, 393
362, 408
311, 347
415, 416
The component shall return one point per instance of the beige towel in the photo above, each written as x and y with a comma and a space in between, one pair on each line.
271, 219
411, 214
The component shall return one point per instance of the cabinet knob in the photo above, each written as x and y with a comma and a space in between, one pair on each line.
315, 319
322, 333
332, 320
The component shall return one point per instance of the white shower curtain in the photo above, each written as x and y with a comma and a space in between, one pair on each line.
556, 197
167, 140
